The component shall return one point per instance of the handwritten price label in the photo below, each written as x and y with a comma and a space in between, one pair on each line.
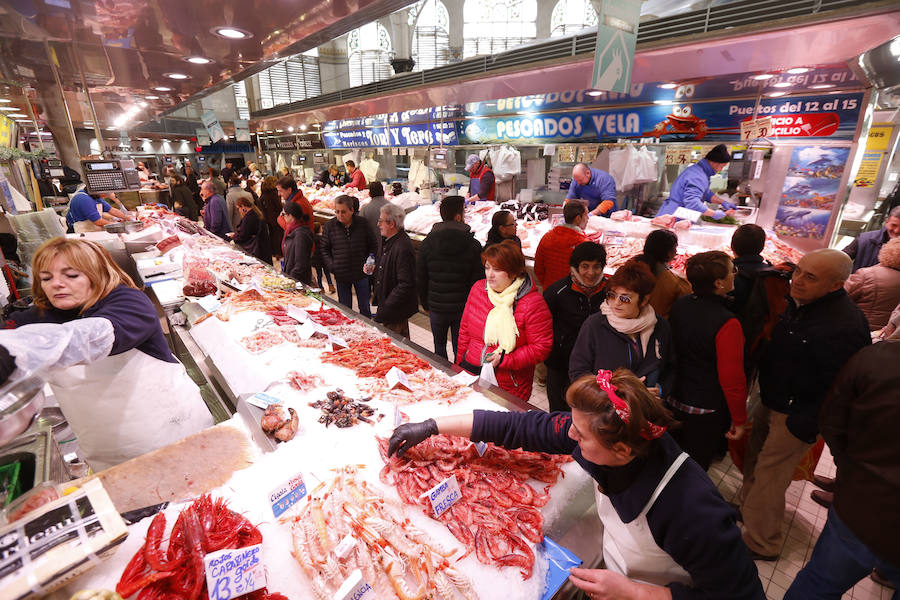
444, 495
355, 588
233, 573
297, 313
287, 494
397, 378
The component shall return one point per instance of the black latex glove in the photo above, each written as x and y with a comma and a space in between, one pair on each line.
409, 434
7, 364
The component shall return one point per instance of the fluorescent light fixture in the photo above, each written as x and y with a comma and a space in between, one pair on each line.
776, 94
231, 33
664, 102
763, 77
14, 115
669, 86
279, 131
178, 76
9, 108
782, 84
198, 60
143, 104
162, 88
797, 70
152, 97
821, 86
595, 93
4, 101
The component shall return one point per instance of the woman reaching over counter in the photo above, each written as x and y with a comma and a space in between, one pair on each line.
97, 340
297, 246
667, 531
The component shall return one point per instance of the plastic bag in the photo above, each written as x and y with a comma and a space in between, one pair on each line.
46, 346
198, 281
369, 168
618, 161
487, 374
506, 163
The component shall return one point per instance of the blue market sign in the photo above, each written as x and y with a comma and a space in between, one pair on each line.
237, 148
832, 117
423, 134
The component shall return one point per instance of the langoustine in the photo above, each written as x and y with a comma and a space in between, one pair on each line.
499, 510
353, 527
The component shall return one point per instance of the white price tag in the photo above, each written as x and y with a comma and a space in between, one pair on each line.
480, 447
397, 378
287, 494
337, 341
398, 416
297, 313
307, 330
209, 303
233, 573
328, 346
345, 547
263, 400
355, 588
444, 495
315, 306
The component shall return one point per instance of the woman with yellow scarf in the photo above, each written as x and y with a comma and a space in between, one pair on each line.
506, 322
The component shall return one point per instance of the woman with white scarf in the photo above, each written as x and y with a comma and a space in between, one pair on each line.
506, 322
627, 333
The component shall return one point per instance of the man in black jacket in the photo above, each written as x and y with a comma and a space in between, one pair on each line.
859, 423
395, 273
820, 330
571, 301
449, 263
864, 249
347, 242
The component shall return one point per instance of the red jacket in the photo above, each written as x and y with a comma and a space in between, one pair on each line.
305, 206
516, 372
357, 180
551, 260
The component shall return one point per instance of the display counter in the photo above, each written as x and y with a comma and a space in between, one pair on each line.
253, 344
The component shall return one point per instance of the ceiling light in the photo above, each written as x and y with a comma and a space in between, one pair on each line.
279, 131
663, 102
142, 104
4, 101
669, 86
821, 86
777, 94
291, 129
162, 88
797, 70
152, 97
110, 128
782, 84
178, 76
9, 108
595, 93
14, 115
303, 128
763, 77
231, 33
198, 60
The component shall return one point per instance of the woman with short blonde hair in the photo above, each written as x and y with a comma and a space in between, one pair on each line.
876, 289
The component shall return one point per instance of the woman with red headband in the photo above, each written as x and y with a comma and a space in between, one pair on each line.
667, 531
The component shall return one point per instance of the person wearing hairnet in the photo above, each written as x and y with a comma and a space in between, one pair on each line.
481, 180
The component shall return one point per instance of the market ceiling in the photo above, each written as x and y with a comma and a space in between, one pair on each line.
148, 56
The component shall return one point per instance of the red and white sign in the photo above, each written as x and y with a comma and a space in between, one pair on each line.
804, 124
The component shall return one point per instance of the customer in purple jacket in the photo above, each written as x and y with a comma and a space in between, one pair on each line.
667, 531
215, 212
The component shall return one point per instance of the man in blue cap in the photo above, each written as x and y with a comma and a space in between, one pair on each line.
481, 180
691, 188
596, 187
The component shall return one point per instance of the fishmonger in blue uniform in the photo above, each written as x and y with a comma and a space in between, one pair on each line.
691, 188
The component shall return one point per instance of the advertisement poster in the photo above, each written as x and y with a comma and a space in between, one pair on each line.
810, 191
876, 145
211, 122
241, 130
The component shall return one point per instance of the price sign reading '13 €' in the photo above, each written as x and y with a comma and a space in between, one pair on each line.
233, 573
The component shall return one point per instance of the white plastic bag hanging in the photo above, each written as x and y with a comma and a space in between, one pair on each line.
487, 374
506, 162
369, 168
618, 162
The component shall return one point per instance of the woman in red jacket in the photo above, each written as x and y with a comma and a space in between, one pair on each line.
506, 322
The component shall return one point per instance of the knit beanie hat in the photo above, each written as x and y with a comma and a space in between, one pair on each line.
719, 154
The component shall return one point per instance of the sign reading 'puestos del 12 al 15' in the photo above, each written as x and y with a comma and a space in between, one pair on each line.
833, 116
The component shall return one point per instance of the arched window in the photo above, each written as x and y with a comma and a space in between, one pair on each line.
369, 50
431, 36
571, 16
492, 26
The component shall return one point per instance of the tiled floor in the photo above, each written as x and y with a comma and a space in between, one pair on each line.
803, 519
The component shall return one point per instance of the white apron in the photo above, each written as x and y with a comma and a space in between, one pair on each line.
126, 405
629, 548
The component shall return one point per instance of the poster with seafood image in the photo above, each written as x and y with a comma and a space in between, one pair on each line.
810, 190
